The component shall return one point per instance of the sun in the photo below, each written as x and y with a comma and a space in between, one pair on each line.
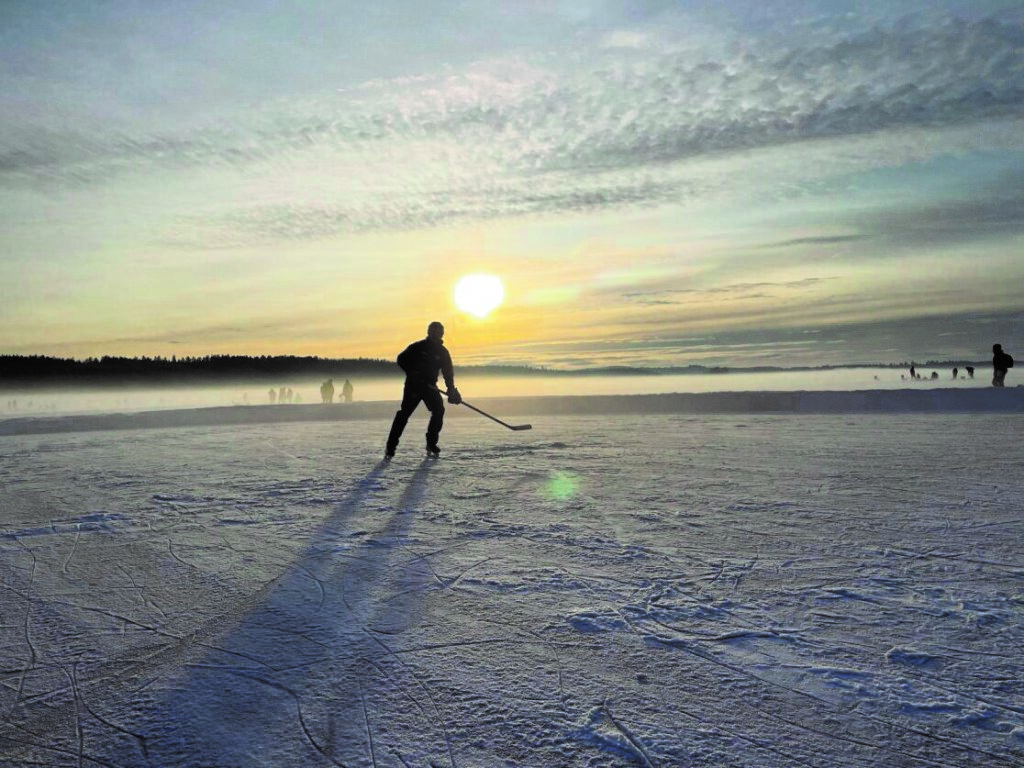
479, 295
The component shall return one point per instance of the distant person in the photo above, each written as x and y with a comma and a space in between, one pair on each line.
956, 372
913, 371
327, 392
970, 371
935, 375
272, 395
422, 361
1001, 363
346, 391
281, 395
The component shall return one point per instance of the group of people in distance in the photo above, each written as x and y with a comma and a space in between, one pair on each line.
1002, 362
327, 391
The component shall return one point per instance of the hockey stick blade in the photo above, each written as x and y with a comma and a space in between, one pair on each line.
513, 427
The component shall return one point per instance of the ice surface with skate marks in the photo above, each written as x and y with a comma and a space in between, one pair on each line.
633, 590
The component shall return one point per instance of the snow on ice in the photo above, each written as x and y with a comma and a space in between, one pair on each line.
632, 589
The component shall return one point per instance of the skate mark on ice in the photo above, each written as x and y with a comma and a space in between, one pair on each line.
366, 720
633, 740
298, 709
439, 720
71, 554
618, 739
96, 522
141, 591
538, 639
30, 663
887, 725
80, 697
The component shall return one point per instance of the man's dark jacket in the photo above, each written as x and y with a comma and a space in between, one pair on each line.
423, 360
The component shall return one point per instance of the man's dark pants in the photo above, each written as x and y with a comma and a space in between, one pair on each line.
414, 394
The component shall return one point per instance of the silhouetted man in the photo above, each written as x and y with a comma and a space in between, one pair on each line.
422, 361
1001, 363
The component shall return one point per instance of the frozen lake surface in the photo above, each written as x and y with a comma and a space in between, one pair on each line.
631, 590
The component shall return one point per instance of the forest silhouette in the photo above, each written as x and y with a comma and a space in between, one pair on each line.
46, 371
99, 371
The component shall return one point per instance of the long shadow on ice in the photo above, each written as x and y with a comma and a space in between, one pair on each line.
303, 677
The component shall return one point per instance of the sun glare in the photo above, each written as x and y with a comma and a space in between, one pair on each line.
479, 295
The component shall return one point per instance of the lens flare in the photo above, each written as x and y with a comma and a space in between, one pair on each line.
562, 486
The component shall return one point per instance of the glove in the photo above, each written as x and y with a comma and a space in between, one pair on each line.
454, 397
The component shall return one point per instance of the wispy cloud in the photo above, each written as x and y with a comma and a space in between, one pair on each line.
733, 291
998, 211
938, 336
799, 242
606, 128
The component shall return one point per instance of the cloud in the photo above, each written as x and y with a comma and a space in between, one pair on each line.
734, 291
405, 210
997, 211
962, 212
799, 242
677, 105
938, 336
626, 124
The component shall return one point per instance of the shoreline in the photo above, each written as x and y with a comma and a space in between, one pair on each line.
907, 401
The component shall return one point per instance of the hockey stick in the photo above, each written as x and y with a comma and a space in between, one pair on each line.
513, 427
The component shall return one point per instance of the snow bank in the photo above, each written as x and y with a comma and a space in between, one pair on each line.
974, 400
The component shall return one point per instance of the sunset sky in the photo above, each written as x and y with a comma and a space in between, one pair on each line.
655, 182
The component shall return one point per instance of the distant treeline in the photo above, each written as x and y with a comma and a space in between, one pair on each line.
44, 371
97, 371
40, 370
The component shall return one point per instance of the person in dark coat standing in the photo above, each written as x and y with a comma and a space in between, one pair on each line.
422, 361
1001, 363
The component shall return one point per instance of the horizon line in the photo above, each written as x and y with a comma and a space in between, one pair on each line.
189, 362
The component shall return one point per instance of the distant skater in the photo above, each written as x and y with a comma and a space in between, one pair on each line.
346, 391
1001, 363
970, 371
913, 371
422, 361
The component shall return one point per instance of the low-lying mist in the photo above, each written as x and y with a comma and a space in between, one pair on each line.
306, 391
